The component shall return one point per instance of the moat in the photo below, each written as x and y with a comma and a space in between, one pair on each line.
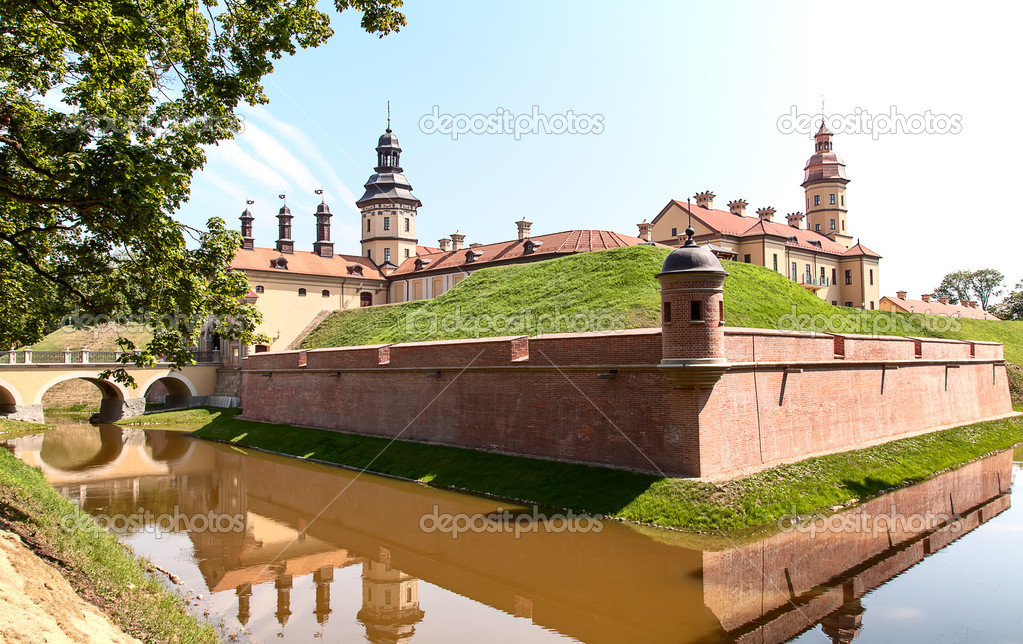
280, 547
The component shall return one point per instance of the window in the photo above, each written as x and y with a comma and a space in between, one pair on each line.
408, 593
849, 304
872, 305
695, 311
365, 298
807, 203
387, 223
843, 200
843, 225
831, 199
369, 253
834, 302
325, 293
817, 227
301, 292
387, 251
406, 254
824, 279
368, 224
387, 597
809, 274
794, 272
406, 224
259, 289
816, 200
666, 312
674, 232
832, 224
746, 259
834, 277
776, 262
848, 277
871, 277
721, 311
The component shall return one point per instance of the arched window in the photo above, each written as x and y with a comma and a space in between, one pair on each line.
365, 298
325, 293
259, 289
301, 292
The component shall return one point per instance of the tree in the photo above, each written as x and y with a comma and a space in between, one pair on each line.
88, 187
985, 284
955, 286
1011, 308
961, 286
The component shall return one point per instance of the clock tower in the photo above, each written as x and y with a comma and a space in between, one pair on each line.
388, 208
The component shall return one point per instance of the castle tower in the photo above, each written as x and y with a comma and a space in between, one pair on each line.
390, 603
692, 316
248, 242
388, 208
284, 242
323, 246
824, 181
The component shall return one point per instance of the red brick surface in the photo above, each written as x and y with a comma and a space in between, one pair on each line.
545, 396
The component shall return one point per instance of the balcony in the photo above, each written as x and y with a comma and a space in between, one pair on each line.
813, 283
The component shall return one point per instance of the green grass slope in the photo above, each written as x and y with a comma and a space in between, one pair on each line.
616, 289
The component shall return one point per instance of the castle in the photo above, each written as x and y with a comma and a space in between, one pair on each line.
296, 289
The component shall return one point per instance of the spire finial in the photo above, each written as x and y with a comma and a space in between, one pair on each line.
283, 197
388, 116
320, 192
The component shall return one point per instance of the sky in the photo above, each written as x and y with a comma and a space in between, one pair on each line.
665, 100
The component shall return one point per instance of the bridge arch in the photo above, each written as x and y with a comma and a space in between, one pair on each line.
176, 384
110, 389
10, 397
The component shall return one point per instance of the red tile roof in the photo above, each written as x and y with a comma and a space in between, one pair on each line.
860, 249
303, 263
726, 223
935, 307
554, 245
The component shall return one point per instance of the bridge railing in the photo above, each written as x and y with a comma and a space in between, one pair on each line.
85, 356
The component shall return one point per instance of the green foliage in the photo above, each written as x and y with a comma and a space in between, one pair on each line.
961, 286
807, 487
1011, 308
87, 190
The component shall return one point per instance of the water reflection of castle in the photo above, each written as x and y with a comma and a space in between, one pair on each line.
625, 584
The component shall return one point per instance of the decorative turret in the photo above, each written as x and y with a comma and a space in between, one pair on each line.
738, 207
284, 243
766, 213
323, 246
795, 219
824, 181
692, 316
388, 207
248, 242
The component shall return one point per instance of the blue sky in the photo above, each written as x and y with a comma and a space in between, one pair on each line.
689, 98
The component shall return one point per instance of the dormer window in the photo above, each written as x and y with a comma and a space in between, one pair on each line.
472, 255
354, 269
531, 245
279, 263
259, 289
301, 292
420, 263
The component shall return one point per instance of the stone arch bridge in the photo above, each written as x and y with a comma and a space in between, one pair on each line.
25, 376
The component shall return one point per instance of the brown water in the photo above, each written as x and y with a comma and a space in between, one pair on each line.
303, 551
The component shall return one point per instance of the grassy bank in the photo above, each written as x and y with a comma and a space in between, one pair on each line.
617, 289
99, 568
807, 487
16, 428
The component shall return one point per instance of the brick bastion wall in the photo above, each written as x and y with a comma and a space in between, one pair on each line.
606, 398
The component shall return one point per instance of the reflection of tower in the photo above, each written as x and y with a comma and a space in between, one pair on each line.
843, 626
283, 586
244, 592
390, 603
322, 579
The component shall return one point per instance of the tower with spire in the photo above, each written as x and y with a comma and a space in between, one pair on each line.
824, 181
388, 207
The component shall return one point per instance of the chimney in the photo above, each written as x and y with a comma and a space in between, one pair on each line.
766, 213
523, 228
248, 243
644, 230
323, 246
795, 219
457, 239
943, 300
705, 199
973, 304
738, 207
900, 294
445, 244
284, 243
925, 298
